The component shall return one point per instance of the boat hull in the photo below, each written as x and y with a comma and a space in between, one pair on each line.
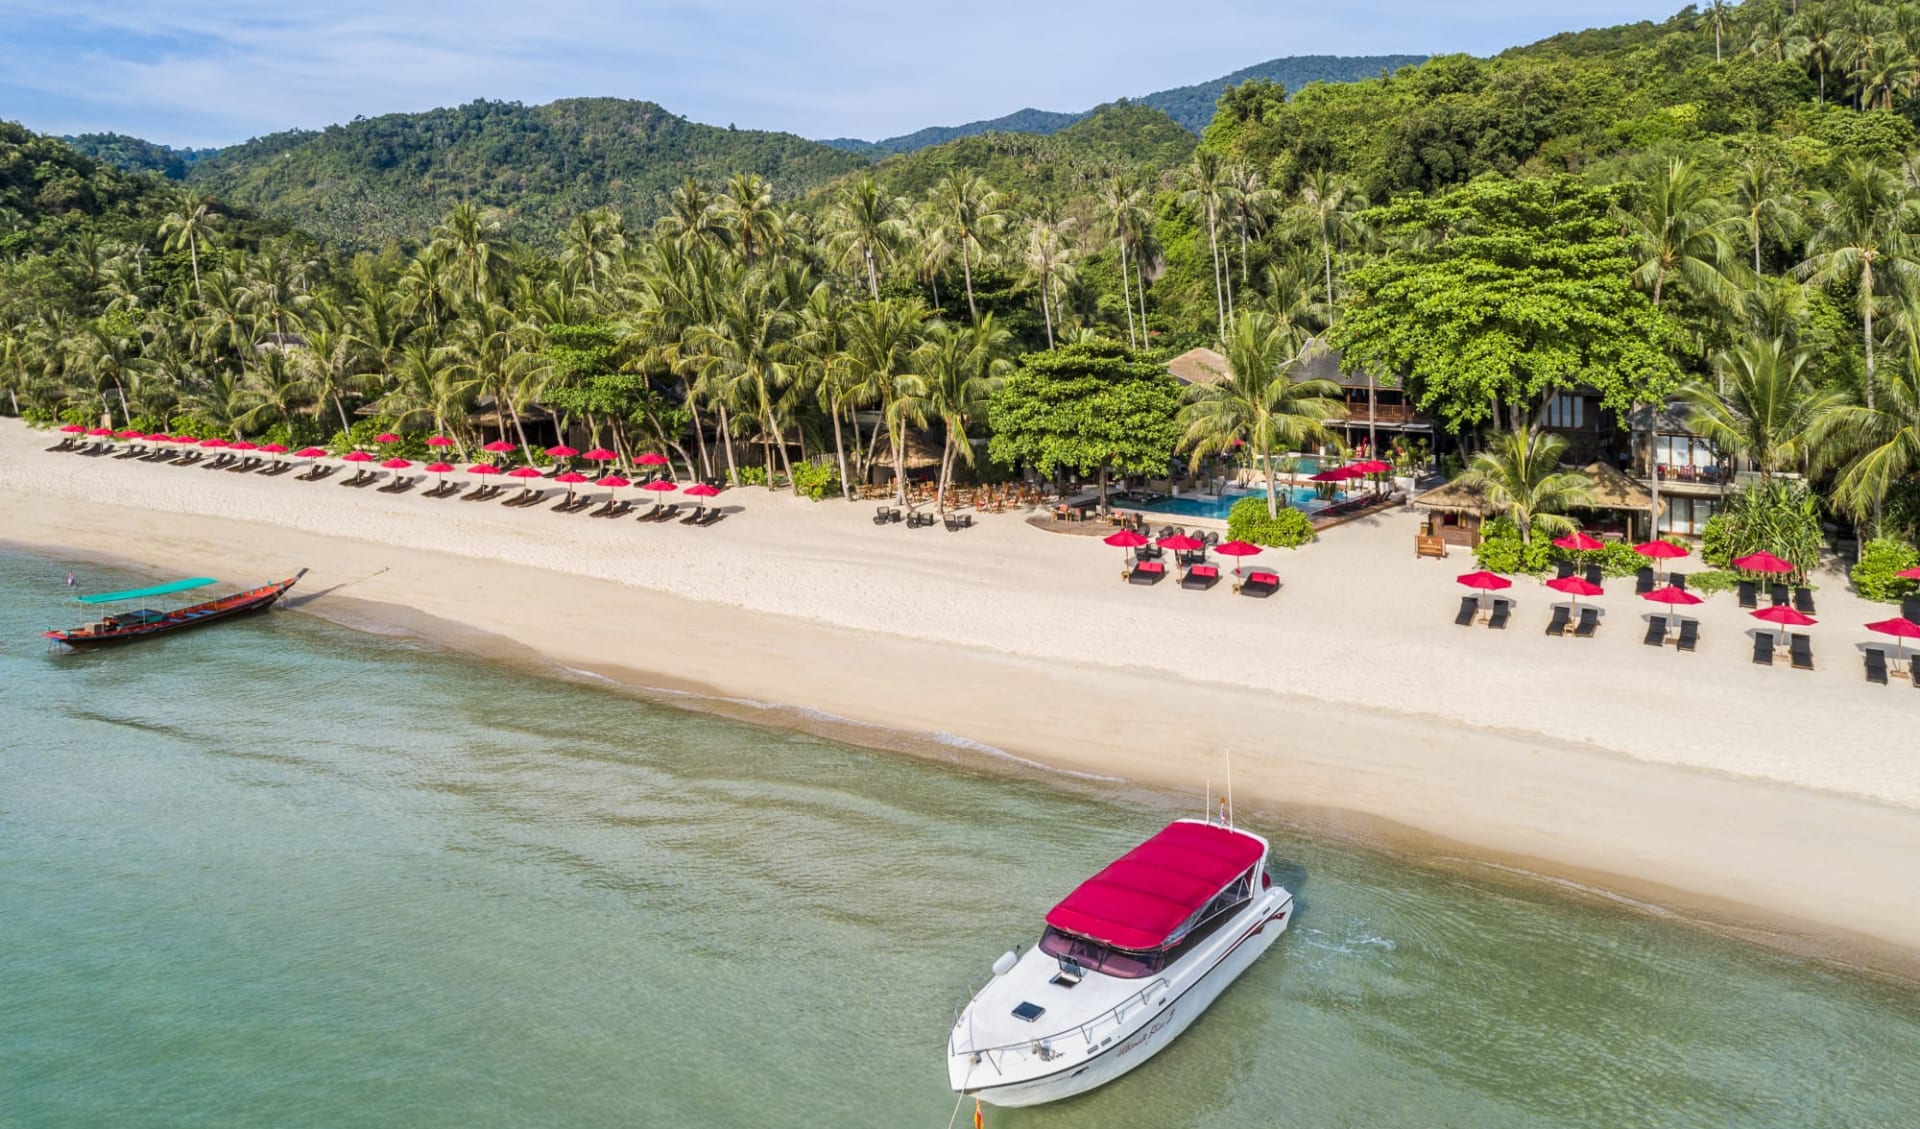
1158, 1027
217, 611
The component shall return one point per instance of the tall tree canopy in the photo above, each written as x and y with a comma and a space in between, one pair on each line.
1087, 407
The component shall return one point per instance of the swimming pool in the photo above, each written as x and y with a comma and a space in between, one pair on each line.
1302, 498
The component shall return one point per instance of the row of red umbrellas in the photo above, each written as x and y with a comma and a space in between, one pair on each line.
1182, 543
1352, 471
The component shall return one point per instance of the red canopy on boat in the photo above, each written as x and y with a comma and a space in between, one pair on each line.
1142, 897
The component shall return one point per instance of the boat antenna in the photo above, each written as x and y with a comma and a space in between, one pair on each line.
1229, 799
1206, 809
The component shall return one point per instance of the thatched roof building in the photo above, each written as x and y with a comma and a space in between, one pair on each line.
1199, 366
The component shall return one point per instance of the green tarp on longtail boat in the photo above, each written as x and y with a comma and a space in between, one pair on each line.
143, 593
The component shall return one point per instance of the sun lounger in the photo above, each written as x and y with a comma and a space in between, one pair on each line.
1589, 623
520, 499
1778, 594
64, 445
620, 509
1147, 572
1678, 580
1656, 631
667, 513
277, 469
1201, 577
1763, 648
1502, 611
1643, 581
400, 485
477, 494
317, 473
1469, 609
1800, 647
1803, 600
1261, 584
1876, 665
1749, 595
131, 453
1595, 575
1689, 635
1561, 617
713, 517
694, 517
1563, 570
1910, 608
189, 459
221, 462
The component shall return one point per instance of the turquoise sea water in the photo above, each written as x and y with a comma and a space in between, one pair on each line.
280, 873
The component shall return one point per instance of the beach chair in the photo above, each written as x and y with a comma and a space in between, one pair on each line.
1876, 665
1910, 608
668, 512
713, 517
1778, 594
1689, 635
1502, 611
1678, 580
400, 485
372, 477
1469, 608
477, 494
1803, 600
1656, 631
64, 445
1201, 577
1561, 617
1595, 576
1589, 623
605, 509
1643, 581
1563, 570
131, 453
1147, 572
693, 518
1259, 584
1763, 648
1749, 597
1800, 648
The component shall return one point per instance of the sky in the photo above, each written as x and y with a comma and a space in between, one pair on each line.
215, 72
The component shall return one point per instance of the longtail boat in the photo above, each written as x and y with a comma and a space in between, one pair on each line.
127, 627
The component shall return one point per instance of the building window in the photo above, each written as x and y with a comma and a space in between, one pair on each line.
1684, 451
1687, 516
1567, 411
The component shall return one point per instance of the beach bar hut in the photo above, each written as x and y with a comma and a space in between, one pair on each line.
1455, 513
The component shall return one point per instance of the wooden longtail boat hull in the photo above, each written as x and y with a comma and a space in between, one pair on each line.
199, 615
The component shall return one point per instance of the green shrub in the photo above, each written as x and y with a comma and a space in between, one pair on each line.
1874, 576
1248, 521
751, 475
1500, 550
1711, 581
1782, 517
817, 480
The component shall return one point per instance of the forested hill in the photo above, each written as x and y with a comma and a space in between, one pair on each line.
391, 178
133, 154
1189, 106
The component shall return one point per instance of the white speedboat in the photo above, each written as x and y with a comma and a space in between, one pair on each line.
1127, 962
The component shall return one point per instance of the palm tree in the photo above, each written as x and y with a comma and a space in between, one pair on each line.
882, 342
429, 388
744, 356
592, 244
474, 254
1205, 190
1049, 266
691, 215
1717, 17
1814, 42
1766, 201
275, 388
745, 212
1520, 476
1861, 236
1259, 404
1123, 214
1327, 203
1680, 231
961, 368
1251, 202
1877, 448
1769, 409
821, 342
190, 225
1770, 35
975, 211
865, 227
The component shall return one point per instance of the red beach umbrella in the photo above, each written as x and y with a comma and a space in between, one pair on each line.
74, 429
1336, 474
1762, 562
562, 451
701, 490
499, 447
1181, 543
1785, 616
660, 484
243, 445
571, 479
309, 453
1237, 549
128, 434
184, 438
439, 441
524, 472
273, 448
483, 468
356, 457
613, 483
1660, 550
386, 437
439, 468
1578, 542
1908, 574
1671, 596
396, 464
214, 442
1125, 539
1373, 466
1900, 628
102, 432
600, 455
1485, 581
1575, 586
652, 458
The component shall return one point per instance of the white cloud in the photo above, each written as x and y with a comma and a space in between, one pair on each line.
197, 71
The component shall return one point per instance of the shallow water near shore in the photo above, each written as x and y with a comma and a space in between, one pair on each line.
280, 872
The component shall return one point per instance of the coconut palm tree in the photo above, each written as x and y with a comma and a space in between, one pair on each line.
1680, 231
865, 227
1259, 403
1048, 263
882, 342
961, 367
1249, 204
1763, 408
1205, 190
1123, 217
1771, 32
1814, 42
1520, 476
1873, 449
974, 214
1717, 17
591, 246
1764, 196
1327, 204
1861, 236
190, 225
744, 211
429, 388
475, 258
746, 356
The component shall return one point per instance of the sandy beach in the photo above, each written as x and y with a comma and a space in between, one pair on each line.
1781, 804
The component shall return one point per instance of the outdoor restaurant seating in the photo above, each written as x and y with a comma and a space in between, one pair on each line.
1562, 615
1803, 600
1656, 631
1147, 572
1502, 611
1201, 576
1689, 635
1469, 608
1800, 647
1589, 623
1876, 665
886, 514
1260, 584
1763, 648
1749, 598
956, 522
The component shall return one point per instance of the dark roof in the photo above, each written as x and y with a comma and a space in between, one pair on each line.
1319, 362
1671, 418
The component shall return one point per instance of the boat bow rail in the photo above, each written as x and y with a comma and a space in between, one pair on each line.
1091, 1031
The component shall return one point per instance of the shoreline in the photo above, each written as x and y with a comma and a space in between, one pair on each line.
1817, 873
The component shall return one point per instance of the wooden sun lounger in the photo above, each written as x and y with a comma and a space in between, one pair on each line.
667, 513
1469, 610
1502, 611
1876, 665
694, 517
1147, 572
1656, 631
1259, 584
1589, 623
1763, 648
1800, 649
1561, 617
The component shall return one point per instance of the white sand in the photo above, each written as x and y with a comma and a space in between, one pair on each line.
1748, 793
